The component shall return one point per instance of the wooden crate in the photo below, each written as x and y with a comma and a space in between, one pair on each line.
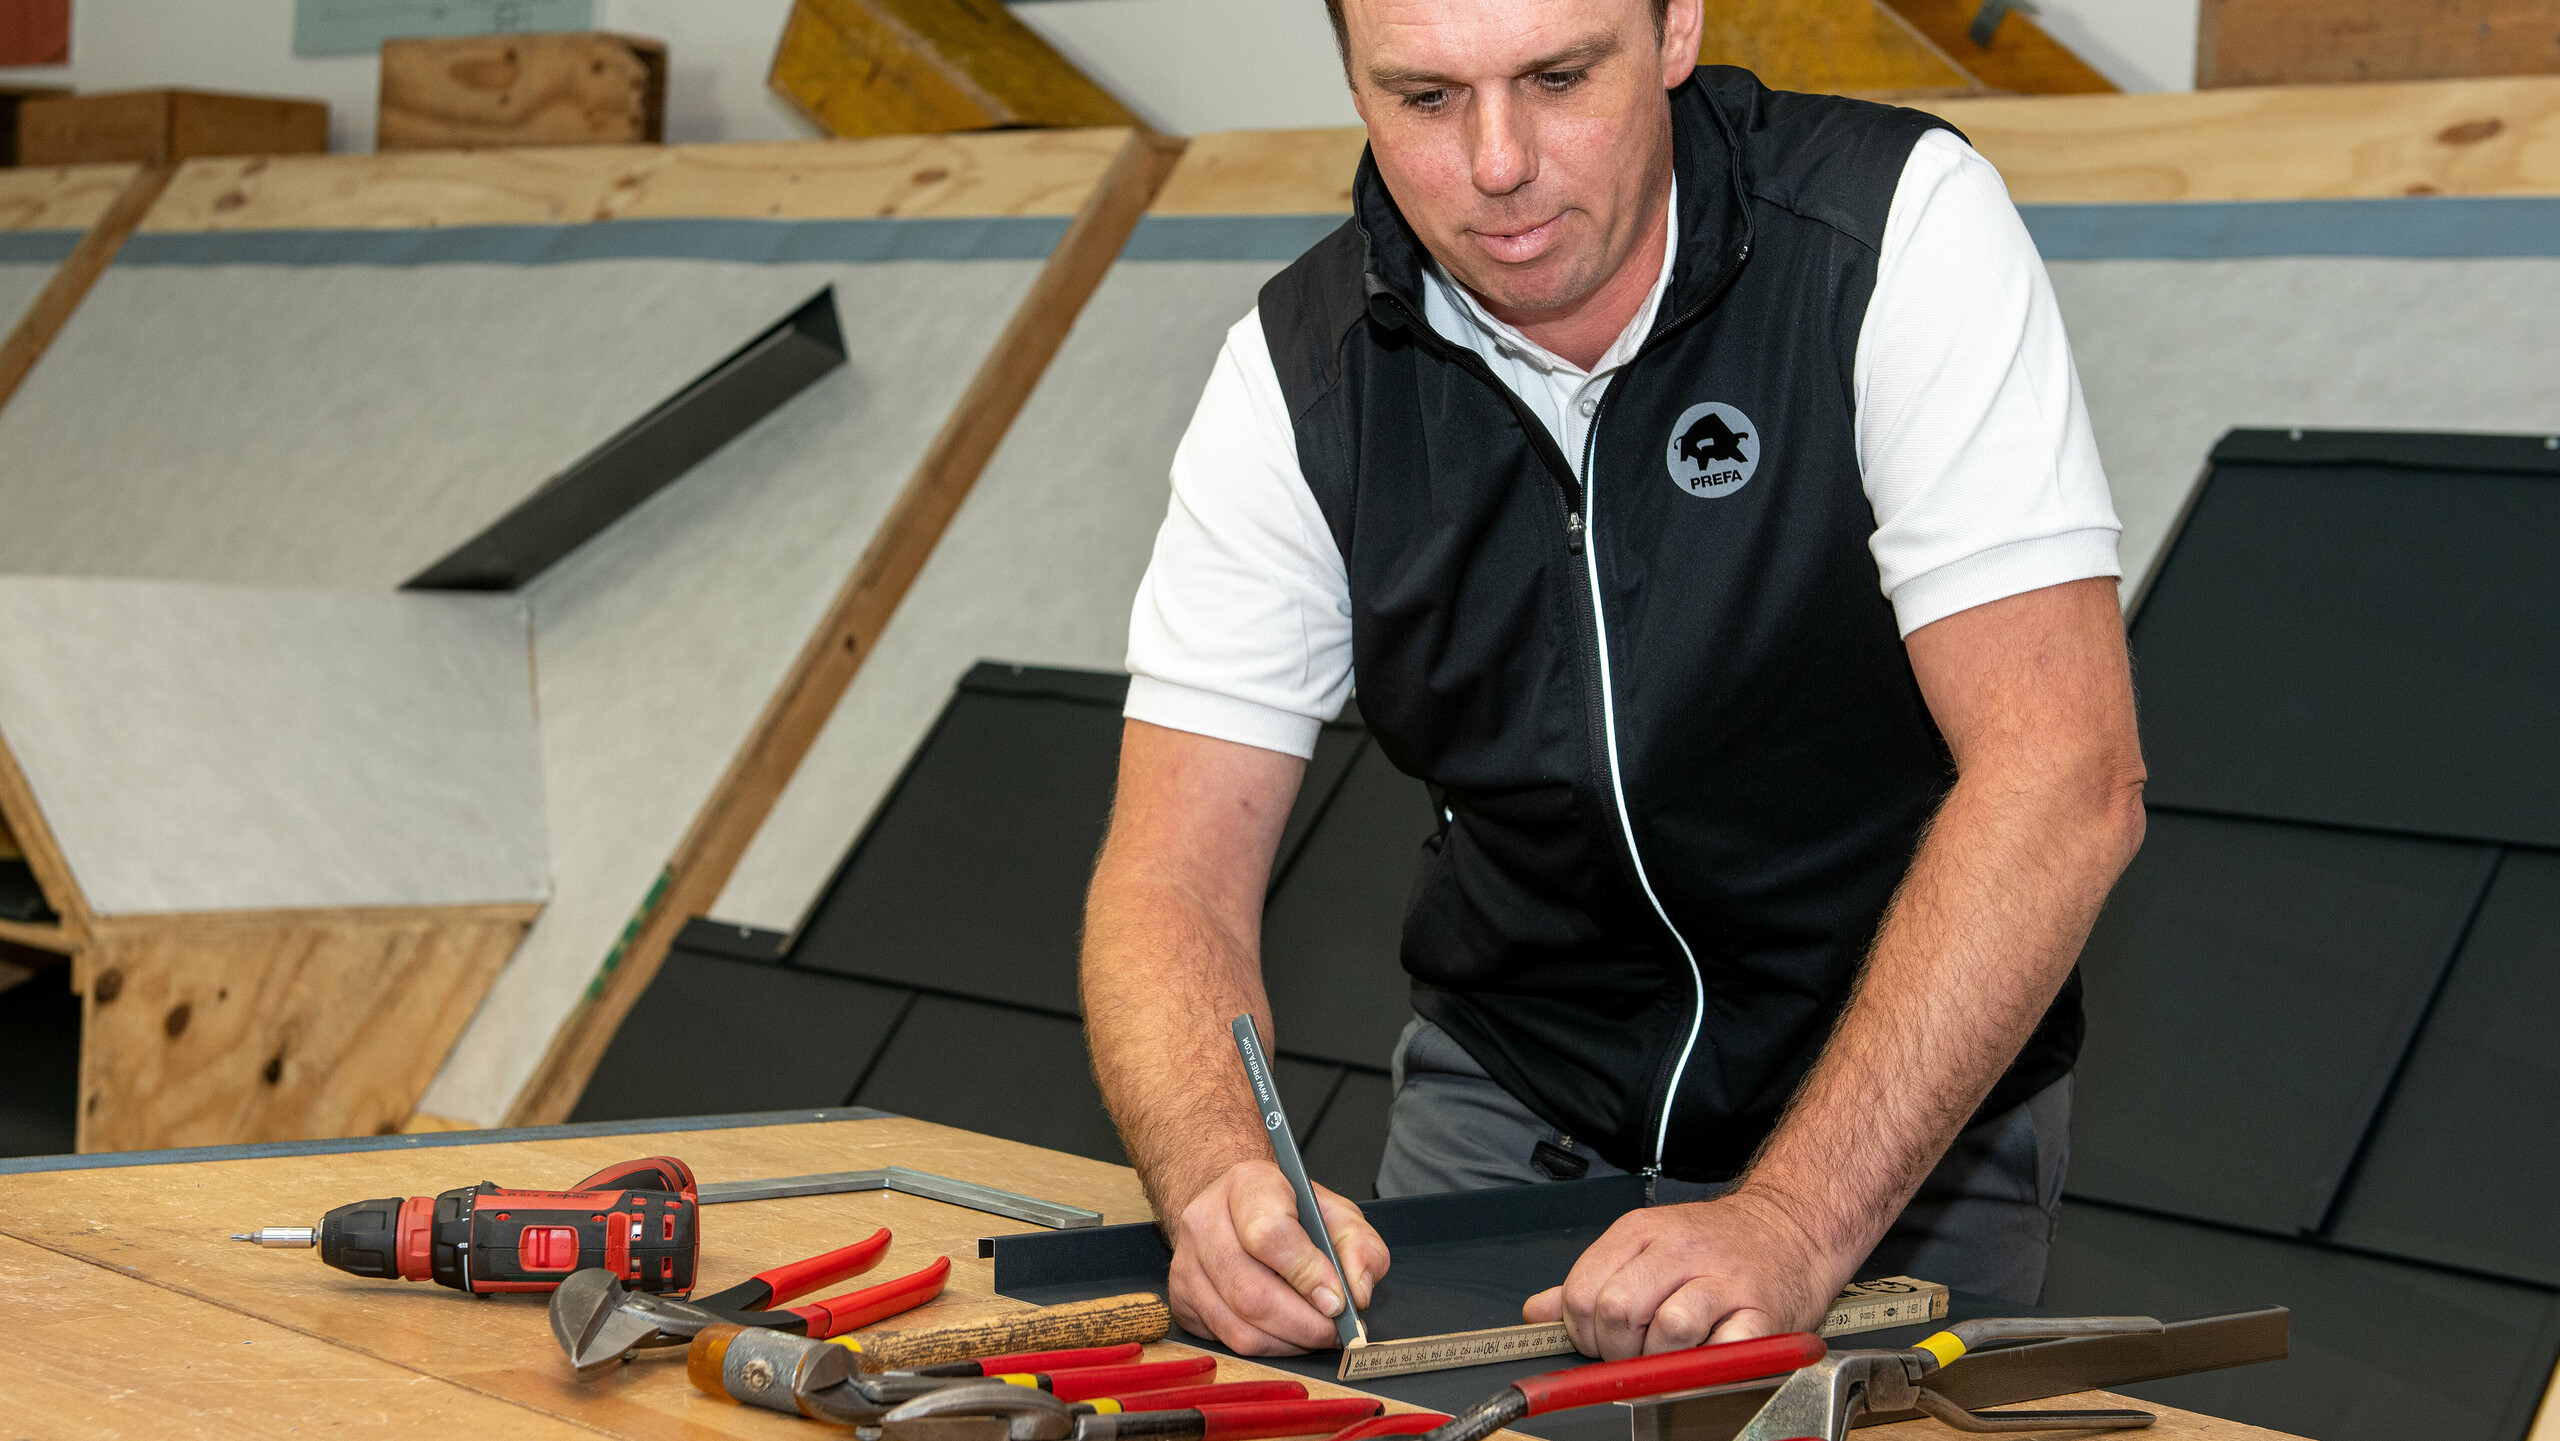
2299, 42
901, 67
588, 87
163, 127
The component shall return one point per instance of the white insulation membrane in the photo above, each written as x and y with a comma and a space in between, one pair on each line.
659, 642
1040, 564
211, 748
20, 282
1043, 560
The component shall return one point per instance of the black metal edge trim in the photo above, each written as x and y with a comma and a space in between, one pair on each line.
648, 455
433, 1140
704, 936
2526, 454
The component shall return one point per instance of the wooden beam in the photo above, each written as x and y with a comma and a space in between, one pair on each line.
1022, 172
199, 1030
2546, 1422
885, 67
826, 665
34, 837
1855, 47
36, 935
2309, 42
59, 197
2021, 57
2441, 137
71, 280
1265, 172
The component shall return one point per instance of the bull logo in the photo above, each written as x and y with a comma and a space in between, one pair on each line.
1714, 450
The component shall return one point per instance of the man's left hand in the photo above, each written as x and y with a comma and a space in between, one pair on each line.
1670, 1277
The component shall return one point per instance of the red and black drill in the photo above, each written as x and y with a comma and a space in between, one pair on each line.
635, 1220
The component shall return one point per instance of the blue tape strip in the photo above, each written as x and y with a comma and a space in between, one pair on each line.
37, 247
2419, 228
754, 242
433, 1140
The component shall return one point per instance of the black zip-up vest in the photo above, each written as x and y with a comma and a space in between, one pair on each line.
1682, 758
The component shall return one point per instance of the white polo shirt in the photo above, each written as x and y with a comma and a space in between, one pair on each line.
1973, 446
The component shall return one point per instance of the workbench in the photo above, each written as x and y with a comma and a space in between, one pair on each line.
133, 1314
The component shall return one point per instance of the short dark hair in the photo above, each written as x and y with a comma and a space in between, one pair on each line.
1342, 32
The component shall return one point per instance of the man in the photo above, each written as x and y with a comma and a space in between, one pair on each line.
1696, 480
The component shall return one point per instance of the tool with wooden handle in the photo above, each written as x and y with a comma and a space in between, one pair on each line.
782, 1372
1105, 1321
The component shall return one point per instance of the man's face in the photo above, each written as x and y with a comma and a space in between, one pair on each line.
1527, 141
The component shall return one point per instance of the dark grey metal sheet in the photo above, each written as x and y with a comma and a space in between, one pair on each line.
647, 455
1333, 932
2251, 988
713, 1034
2368, 636
2465, 1166
1015, 1074
1460, 1262
2381, 1351
972, 877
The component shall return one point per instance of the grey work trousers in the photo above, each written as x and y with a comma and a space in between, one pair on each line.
1983, 1221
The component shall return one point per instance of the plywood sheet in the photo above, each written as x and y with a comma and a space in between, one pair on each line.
1040, 565
2355, 644
2461, 1169
659, 643
201, 748
2381, 1351
2172, 353
2251, 988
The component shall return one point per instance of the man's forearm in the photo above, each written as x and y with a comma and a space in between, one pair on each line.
1161, 981
1173, 946
1987, 923
2036, 699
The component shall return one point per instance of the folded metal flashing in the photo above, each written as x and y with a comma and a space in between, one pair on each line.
2001, 1377
647, 455
1054, 1214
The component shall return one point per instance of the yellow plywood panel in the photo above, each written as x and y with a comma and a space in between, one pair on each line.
886, 67
2020, 58
1829, 46
2454, 137
1048, 172
1265, 172
199, 1030
60, 197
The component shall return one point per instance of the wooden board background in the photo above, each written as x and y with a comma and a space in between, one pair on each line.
148, 1244
2309, 42
1026, 172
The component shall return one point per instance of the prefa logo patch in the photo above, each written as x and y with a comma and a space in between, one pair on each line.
1714, 450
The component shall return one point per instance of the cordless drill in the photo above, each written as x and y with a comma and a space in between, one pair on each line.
635, 1220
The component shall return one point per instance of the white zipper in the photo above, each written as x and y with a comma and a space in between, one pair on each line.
1617, 785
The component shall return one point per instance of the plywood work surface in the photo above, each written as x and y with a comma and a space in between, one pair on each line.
143, 1249
59, 197
1022, 172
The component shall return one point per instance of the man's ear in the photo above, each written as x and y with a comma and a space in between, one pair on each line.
1682, 25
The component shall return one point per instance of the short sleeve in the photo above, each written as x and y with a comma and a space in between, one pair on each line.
1242, 626
1973, 439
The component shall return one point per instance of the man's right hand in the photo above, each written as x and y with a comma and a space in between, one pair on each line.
1245, 1272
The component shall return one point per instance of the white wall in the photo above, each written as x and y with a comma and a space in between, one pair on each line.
1187, 66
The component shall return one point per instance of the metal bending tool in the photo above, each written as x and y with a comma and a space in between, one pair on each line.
2002, 1377
1819, 1402
1008, 1204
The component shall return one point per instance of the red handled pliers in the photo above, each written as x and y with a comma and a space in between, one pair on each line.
597, 1321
